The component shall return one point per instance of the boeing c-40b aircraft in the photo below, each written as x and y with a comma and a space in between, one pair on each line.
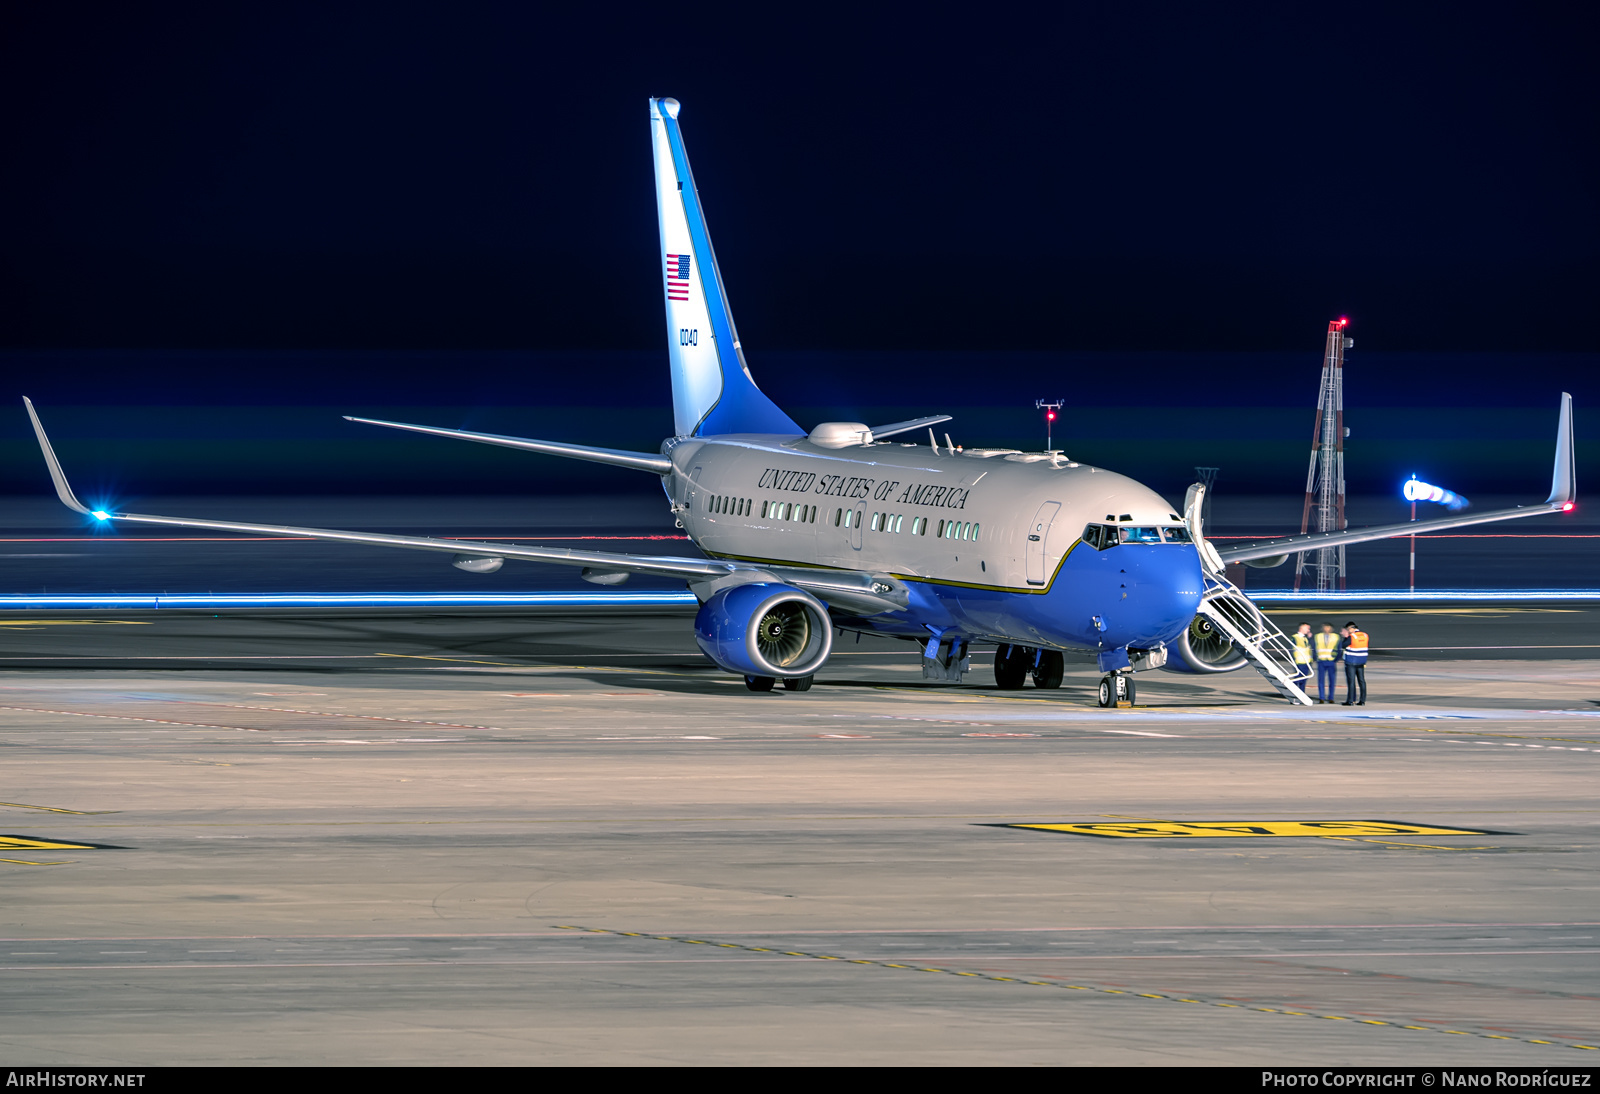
852, 527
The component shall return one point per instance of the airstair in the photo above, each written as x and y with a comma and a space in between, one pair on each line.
1269, 650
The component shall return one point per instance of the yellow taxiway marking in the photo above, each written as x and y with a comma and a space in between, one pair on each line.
1166, 829
461, 660
75, 622
1100, 989
30, 862
545, 668
22, 843
53, 809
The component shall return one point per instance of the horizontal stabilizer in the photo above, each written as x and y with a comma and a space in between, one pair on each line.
639, 461
881, 431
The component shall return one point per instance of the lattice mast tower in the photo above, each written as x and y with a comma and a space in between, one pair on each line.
1325, 476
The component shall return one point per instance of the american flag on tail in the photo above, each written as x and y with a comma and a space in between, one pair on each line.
678, 277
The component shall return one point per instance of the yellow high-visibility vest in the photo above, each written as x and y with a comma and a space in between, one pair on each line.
1327, 646
1302, 650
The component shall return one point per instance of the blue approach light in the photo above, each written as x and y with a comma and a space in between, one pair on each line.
1416, 490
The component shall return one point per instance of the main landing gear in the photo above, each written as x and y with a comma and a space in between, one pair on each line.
1014, 664
1116, 689
767, 683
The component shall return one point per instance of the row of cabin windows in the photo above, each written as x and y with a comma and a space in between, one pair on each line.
895, 522
788, 510
721, 503
844, 518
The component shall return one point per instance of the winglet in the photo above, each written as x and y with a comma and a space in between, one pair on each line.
1564, 479
63, 491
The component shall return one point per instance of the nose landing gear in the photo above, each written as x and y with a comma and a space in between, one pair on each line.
1116, 690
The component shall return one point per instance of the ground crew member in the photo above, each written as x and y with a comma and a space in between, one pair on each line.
1302, 655
1354, 648
1327, 649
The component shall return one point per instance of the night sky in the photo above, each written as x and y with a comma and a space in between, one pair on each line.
327, 182
930, 176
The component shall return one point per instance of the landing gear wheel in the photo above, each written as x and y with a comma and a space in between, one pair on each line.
759, 683
797, 683
1048, 672
1114, 689
1011, 667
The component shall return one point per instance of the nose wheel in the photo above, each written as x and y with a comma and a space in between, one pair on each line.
1116, 690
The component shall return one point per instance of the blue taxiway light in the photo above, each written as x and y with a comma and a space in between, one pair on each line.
84, 601
354, 600
1387, 595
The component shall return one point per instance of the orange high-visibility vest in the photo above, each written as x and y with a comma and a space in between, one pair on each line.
1355, 650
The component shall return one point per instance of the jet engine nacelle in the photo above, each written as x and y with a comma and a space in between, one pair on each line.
765, 629
1203, 648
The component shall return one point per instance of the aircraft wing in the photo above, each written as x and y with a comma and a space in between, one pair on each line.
863, 593
1563, 491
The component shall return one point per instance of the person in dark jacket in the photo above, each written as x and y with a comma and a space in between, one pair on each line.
1353, 651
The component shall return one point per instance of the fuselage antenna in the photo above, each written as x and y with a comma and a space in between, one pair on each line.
1050, 410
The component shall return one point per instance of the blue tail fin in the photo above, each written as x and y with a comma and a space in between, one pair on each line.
712, 390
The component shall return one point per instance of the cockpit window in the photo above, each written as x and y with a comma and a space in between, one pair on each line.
1140, 535
1102, 536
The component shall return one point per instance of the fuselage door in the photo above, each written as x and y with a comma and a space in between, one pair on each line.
1038, 537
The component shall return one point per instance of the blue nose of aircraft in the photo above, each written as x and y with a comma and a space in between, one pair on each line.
1152, 595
